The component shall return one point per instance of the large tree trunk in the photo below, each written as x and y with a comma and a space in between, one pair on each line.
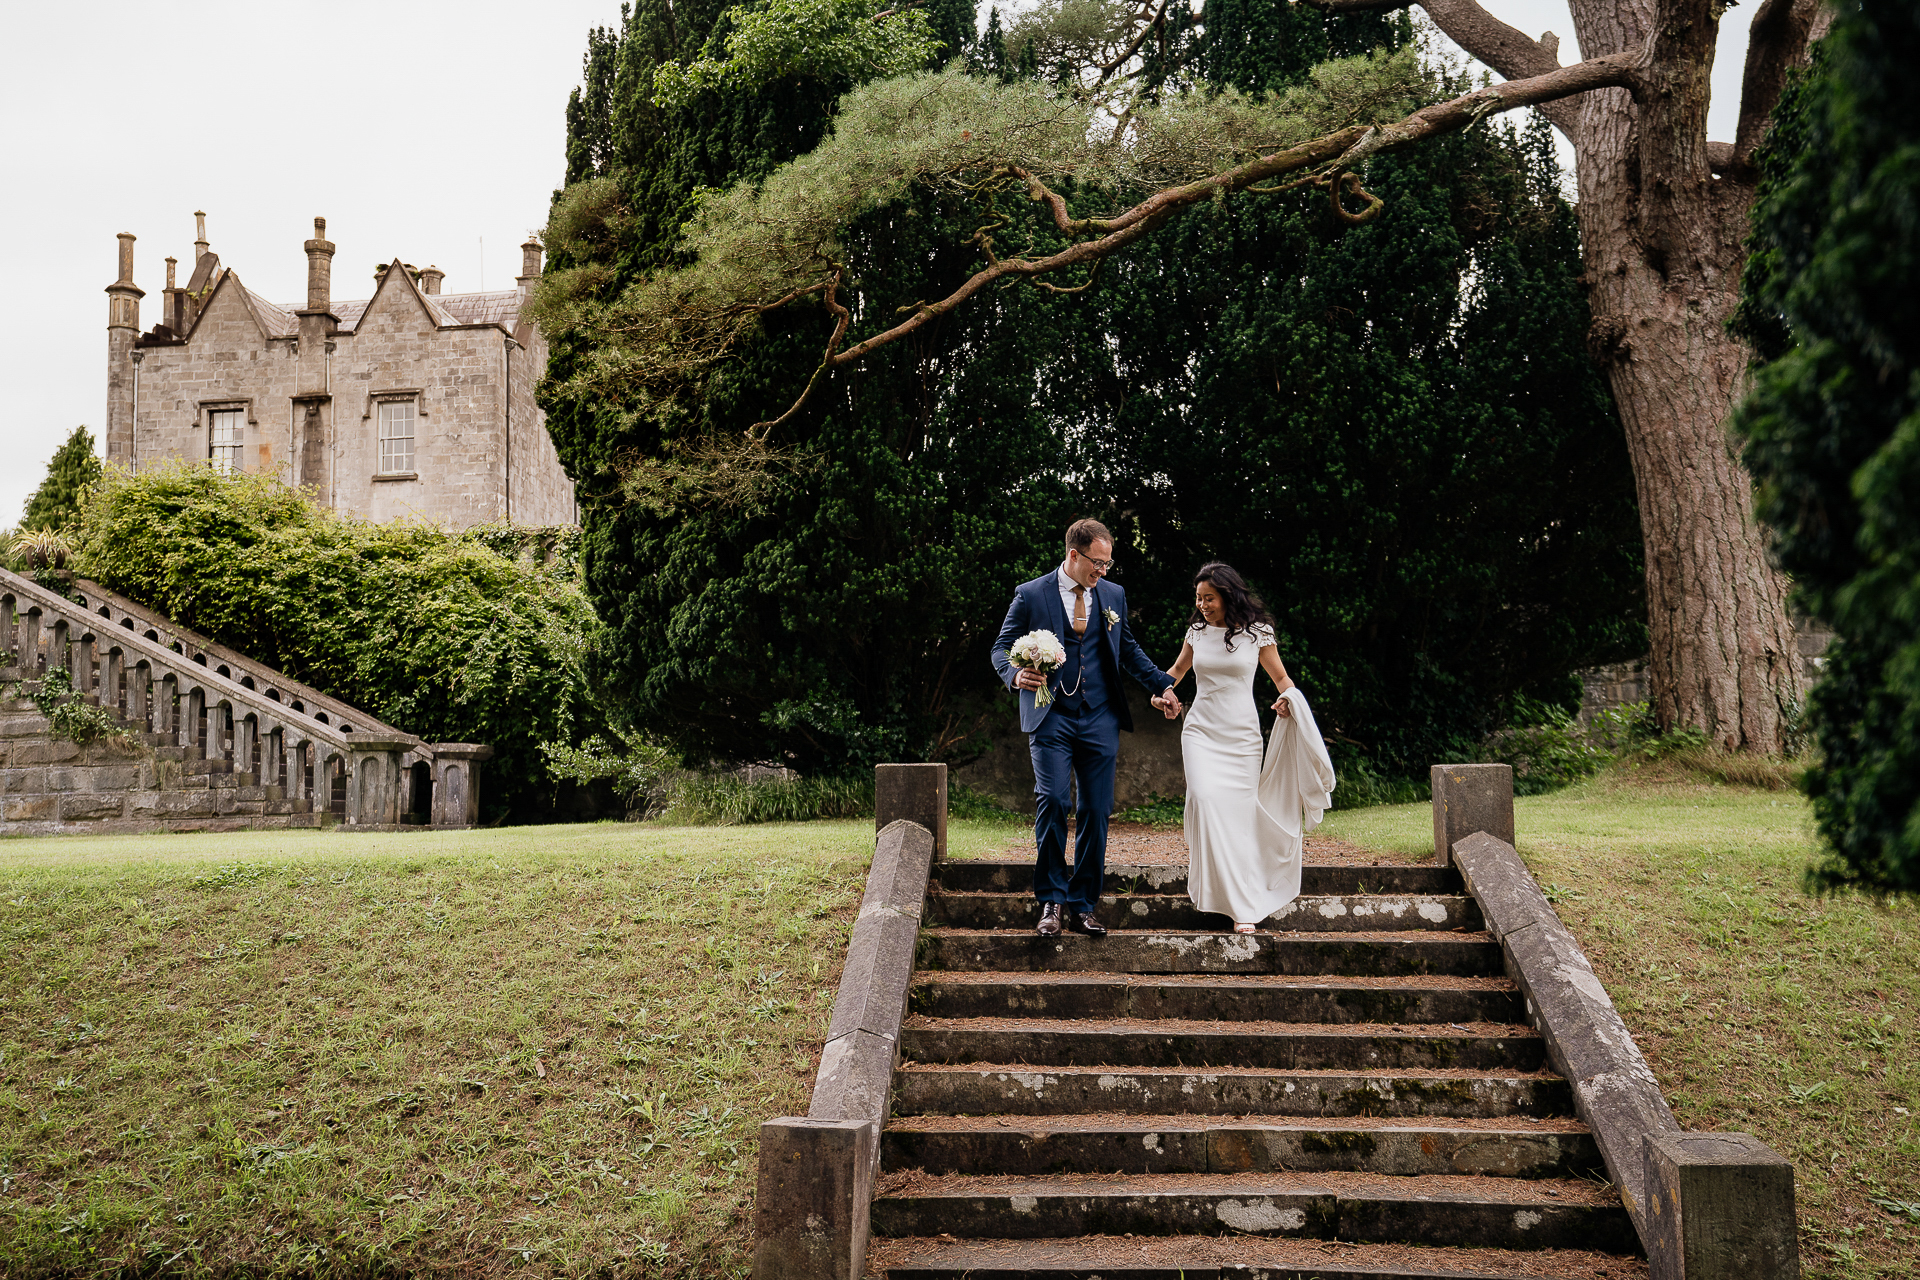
1662, 238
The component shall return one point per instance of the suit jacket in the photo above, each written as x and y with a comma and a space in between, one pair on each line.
1037, 607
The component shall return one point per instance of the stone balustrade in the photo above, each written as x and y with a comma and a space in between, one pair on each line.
183, 690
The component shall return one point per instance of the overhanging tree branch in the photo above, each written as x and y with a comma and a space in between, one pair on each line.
1329, 158
1506, 49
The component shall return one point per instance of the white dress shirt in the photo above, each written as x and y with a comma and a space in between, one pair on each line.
1067, 587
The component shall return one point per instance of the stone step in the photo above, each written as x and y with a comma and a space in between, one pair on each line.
1262, 998
1306, 914
999, 875
1229, 1257
1505, 1213
1243, 1144
1395, 954
1172, 1042
988, 1090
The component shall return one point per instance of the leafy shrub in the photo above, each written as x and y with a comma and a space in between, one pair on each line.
730, 800
968, 802
78, 722
1156, 811
1549, 748
1359, 784
432, 631
641, 770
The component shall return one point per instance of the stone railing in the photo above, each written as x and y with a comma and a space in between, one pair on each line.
189, 692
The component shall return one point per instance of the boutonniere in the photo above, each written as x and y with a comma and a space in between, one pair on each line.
1113, 619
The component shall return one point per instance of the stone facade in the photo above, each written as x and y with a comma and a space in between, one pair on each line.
307, 392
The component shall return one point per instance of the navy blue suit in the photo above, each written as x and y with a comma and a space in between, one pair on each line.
1076, 737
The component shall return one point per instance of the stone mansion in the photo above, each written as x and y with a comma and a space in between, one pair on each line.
408, 404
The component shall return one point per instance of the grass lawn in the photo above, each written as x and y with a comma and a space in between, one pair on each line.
1761, 1009
544, 1051
537, 1050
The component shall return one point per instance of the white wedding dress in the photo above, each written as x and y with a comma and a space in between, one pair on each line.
1247, 811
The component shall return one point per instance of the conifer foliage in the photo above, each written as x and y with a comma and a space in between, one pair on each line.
1390, 428
1833, 424
75, 468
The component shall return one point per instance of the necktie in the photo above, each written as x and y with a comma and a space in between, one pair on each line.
1079, 611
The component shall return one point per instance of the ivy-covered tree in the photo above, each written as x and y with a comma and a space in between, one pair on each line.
75, 468
1833, 423
828, 601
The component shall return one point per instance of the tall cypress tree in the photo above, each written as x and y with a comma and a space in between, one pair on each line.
1832, 427
74, 469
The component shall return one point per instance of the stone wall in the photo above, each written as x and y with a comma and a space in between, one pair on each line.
473, 385
230, 361
1624, 683
1149, 762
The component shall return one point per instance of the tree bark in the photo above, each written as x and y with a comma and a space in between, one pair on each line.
1662, 240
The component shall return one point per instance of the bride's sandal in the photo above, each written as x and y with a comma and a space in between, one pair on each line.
1244, 928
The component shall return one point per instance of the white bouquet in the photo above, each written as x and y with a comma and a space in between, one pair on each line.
1039, 651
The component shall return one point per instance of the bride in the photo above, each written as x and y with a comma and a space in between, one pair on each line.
1244, 819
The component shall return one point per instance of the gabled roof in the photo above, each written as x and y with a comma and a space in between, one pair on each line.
271, 320
278, 321
501, 307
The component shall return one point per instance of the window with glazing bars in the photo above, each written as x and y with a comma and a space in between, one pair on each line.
396, 436
224, 437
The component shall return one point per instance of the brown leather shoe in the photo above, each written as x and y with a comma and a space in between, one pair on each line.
1049, 920
1086, 922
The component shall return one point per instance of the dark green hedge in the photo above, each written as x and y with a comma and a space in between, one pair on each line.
1833, 425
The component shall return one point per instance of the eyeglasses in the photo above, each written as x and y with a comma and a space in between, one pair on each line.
1104, 566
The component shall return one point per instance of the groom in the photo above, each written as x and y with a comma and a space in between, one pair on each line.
1076, 735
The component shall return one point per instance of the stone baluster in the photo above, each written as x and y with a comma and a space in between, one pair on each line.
138, 699
29, 642
246, 740
56, 655
194, 722
111, 664
85, 688
9, 632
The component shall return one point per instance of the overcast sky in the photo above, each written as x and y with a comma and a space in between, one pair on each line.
431, 132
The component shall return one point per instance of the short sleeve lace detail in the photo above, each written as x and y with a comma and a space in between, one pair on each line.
1262, 635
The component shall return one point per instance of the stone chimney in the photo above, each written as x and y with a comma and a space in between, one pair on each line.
529, 265
430, 280
317, 321
173, 310
319, 271
123, 330
200, 235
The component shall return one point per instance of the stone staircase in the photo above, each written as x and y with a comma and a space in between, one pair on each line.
144, 782
209, 740
1352, 1091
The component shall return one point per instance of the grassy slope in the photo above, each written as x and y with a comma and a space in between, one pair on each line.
1761, 1009
542, 1049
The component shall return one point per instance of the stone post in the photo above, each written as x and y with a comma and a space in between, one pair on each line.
1719, 1207
912, 793
456, 782
1469, 798
816, 1179
123, 330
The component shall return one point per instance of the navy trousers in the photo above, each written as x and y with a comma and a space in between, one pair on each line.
1082, 751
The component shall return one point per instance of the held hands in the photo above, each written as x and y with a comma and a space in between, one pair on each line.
1168, 702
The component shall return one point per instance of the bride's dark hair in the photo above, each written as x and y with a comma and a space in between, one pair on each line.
1243, 608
